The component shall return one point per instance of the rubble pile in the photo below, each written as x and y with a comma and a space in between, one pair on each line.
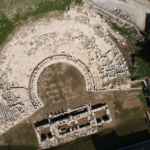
122, 14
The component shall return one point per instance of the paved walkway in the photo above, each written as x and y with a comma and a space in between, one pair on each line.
137, 9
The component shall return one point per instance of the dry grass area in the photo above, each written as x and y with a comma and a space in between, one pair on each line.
20, 137
100, 114
12, 7
137, 85
62, 86
83, 121
131, 100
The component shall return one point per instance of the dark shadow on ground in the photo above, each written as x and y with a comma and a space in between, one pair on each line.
147, 22
113, 141
144, 51
141, 59
140, 52
19, 147
107, 142
133, 59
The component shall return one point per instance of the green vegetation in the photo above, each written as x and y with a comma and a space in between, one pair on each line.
128, 127
36, 9
136, 85
143, 99
21, 136
128, 32
133, 113
125, 114
6, 27
139, 50
148, 37
132, 70
78, 2
143, 66
129, 119
100, 15
47, 6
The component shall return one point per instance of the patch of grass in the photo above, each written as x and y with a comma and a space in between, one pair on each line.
119, 95
143, 68
100, 15
130, 127
21, 134
7, 24
148, 37
78, 2
6, 27
123, 115
18, 15
123, 130
48, 6
136, 85
132, 70
128, 32
9, 141
141, 51
143, 99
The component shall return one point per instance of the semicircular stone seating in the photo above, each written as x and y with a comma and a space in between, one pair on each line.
80, 38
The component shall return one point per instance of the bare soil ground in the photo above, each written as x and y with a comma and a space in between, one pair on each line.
100, 114
62, 86
83, 121
131, 101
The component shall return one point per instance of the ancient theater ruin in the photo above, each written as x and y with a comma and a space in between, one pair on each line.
81, 38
